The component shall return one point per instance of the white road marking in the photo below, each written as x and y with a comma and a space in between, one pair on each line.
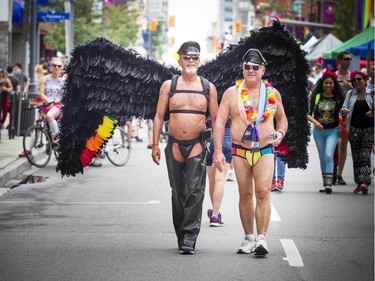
87, 203
274, 215
291, 251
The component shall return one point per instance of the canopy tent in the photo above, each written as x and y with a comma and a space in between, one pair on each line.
324, 43
365, 36
361, 50
308, 45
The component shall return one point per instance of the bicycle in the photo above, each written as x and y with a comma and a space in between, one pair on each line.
117, 149
37, 140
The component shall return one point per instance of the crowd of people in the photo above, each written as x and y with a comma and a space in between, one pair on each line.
341, 110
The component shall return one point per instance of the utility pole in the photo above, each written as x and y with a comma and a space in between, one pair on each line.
33, 38
69, 27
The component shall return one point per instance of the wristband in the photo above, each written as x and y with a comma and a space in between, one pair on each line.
282, 133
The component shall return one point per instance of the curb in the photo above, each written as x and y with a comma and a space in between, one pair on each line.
13, 170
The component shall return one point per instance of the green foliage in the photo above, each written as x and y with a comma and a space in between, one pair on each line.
119, 25
159, 39
344, 26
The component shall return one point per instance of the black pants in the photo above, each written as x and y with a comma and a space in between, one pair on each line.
187, 181
361, 142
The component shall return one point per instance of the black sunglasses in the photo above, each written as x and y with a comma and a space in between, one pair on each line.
347, 59
57, 65
253, 67
357, 79
187, 58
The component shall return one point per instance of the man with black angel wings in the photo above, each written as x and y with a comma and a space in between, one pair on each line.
106, 81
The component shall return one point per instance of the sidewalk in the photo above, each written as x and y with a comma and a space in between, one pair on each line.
11, 165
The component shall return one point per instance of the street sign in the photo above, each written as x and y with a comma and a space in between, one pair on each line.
53, 17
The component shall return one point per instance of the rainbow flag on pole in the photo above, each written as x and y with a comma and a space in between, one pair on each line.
364, 11
306, 35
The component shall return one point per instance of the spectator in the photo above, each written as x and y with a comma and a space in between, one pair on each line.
359, 106
370, 83
24, 80
15, 82
318, 71
5, 87
325, 104
278, 174
149, 133
344, 60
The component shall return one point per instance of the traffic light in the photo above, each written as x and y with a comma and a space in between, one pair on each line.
217, 44
237, 26
172, 41
153, 25
171, 21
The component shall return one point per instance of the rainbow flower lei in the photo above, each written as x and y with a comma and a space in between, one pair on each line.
250, 113
101, 136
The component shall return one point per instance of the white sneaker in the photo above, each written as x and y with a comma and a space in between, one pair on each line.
261, 248
247, 246
230, 176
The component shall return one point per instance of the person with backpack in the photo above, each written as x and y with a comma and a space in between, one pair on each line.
187, 100
325, 104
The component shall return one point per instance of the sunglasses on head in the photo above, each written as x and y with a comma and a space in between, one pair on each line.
253, 67
187, 58
357, 79
347, 59
57, 65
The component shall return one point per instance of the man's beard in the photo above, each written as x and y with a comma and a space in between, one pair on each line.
191, 70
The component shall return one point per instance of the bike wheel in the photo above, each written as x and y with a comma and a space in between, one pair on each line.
39, 143
118, 149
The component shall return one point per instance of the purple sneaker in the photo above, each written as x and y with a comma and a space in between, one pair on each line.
209, 213
216, 220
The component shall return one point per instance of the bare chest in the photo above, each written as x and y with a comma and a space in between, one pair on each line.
188, 101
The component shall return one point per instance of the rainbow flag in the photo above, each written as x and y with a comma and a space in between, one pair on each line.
306, 35
364, 11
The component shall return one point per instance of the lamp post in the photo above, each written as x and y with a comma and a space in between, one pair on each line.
299, 4
69, 26
33, 41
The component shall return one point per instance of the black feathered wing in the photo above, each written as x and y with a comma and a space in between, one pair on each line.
104, 80
287, 71
107, 81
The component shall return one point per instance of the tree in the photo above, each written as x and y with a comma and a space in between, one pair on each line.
119, 24
344, 26
159, 40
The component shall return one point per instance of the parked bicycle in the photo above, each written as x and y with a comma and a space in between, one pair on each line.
37, 140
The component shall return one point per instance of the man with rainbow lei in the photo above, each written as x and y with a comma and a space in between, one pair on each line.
252, 105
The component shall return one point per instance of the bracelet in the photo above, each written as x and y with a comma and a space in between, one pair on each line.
282, 133
155, 144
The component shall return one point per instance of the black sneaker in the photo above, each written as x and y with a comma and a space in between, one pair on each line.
187, 250
340, 180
